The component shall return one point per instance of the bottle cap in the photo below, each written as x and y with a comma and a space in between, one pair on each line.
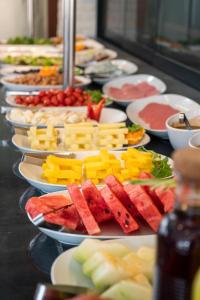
187, 164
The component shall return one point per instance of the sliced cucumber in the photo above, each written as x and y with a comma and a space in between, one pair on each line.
88, 247
128, 290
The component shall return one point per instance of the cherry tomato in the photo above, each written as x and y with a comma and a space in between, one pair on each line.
60, 97
36, 100
18, 100
68, 101
54, 101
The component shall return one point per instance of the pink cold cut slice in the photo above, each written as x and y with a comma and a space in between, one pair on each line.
133, 91
156, 114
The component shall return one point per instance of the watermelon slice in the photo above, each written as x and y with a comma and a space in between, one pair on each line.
96, 202
118, 189
120, 213
167, 198
83, 210
67, 217
151, 192
144, 205
46, 203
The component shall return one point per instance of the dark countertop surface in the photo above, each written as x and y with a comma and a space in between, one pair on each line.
18, 273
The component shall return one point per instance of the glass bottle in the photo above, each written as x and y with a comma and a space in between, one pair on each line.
178, 243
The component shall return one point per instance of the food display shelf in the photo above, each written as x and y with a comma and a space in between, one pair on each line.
25, 255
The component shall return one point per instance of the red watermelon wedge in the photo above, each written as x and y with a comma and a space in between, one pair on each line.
96, 202
118, 189
120, 213
67, 217
167, 198
46, 203
144, 205
83, 210
151, 192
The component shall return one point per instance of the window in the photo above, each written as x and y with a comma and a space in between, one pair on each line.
165, 33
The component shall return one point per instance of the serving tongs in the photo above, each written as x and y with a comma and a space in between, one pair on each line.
40, 218
184, 120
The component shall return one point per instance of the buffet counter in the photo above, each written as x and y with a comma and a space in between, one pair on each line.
25, 255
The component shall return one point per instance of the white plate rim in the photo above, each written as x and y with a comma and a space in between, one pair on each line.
133, 77
155, 99
72, 108
68, 254
146, 139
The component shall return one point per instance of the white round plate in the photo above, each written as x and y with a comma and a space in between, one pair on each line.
123, 65
66, 271
30, 168
22, 143
108, 115
84, 81
178, 102
8, 70
134, 79
92, 56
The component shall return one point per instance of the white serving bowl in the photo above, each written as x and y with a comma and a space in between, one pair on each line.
194, 141
179, 138
134, 79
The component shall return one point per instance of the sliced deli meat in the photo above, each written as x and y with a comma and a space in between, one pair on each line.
150, 112
133, 91
96, 202
83, 210
118, 189
120, 213
144, 205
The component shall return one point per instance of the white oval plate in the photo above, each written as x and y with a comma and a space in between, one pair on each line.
84, 81
109, 230
134, 79
178, 102
5, 71
22, 143
123, 65
31, 170
108, 115
10, 100
66, 271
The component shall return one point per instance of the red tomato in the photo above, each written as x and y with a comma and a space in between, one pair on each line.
69, 90
68, 101
46, 102
36, 100
18, 100
79, 90
54, 101
43, 99
60, 97
42, 93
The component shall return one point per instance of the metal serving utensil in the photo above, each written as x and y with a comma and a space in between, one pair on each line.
184, 120
40, 219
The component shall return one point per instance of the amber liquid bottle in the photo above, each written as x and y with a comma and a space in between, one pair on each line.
178, 242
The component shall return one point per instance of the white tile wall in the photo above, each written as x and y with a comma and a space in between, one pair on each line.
86, 17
